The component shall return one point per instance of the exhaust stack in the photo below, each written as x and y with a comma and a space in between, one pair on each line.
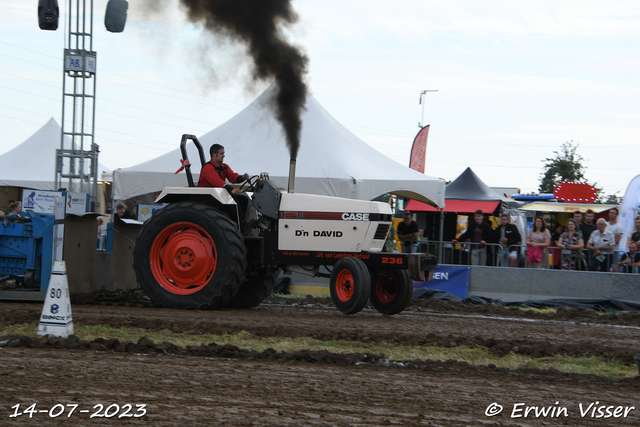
292, 175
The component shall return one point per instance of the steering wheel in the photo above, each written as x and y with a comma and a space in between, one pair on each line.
250, 184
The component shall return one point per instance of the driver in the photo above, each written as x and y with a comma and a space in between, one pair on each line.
215, 173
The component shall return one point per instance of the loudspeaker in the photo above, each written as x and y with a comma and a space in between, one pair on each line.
116, 15
48, 14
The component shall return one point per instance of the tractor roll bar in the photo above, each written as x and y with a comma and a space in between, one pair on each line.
185, 156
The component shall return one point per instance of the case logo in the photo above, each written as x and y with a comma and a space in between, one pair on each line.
350, 216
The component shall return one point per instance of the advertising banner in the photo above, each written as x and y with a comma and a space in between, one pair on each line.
77, 203
44, 202
448, 278
419, 150
40, 201
628, 212
145, 211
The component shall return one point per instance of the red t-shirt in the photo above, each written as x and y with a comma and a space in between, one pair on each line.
216, 176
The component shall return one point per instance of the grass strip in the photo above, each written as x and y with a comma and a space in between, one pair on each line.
245, 340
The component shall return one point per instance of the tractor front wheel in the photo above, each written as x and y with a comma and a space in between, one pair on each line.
349, 285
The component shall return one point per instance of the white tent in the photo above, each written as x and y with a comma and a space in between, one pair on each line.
32, 164
331, 161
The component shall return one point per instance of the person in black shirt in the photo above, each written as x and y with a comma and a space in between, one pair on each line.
480, 233
635, 237
122, 212
630, 262
586, 228
408, 232
507, 235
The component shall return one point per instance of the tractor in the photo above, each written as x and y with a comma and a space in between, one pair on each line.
201, 252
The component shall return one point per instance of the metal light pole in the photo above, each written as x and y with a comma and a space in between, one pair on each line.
78, 92
441, 231
77, 158
422, 95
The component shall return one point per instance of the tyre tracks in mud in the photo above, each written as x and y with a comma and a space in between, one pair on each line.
501, 335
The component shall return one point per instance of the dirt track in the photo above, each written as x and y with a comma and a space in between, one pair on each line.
223, 385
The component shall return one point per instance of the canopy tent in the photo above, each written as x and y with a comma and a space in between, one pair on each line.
331, 160
566, 207
32, 164
466, 194
462, 206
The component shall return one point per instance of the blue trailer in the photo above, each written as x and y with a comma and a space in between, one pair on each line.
26, 256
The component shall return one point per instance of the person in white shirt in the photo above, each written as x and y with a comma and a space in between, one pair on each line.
616, 229
601, 244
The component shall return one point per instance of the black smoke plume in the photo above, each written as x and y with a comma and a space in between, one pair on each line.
257, 23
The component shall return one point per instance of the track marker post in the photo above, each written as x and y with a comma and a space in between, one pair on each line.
56, 317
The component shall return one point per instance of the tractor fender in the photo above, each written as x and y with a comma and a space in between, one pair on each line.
179, 194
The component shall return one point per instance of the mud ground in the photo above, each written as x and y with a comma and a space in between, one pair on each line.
224, 385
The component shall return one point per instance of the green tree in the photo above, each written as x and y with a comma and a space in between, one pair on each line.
565, 166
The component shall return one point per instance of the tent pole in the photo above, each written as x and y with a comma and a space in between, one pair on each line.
441, 246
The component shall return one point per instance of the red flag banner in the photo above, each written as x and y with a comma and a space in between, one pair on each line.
419, 150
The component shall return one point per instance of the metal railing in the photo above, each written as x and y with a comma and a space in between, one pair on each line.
587, 261
468, 253
496, 255
460, 253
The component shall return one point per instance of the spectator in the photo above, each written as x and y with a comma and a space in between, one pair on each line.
556, 253
571, 243
507, 235
15, 209
577, 217
635, 237
100, 222
408, 232
558, 230
586, 228
538, 241
122, 212
630, 262
480, 233
616, 229
102, 232
601, 244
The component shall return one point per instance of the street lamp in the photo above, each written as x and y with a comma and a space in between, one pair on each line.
422, 94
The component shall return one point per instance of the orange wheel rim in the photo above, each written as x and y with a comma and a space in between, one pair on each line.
344, 285
386, 288
183, 258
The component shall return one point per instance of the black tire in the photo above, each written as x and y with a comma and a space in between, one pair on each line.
254, 290
391, 291
190, 256
349, 285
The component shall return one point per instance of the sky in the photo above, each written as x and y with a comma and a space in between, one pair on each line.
514, 81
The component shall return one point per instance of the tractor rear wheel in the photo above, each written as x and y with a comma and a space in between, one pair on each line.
349, 285
391, 291
255, 290
190, 256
